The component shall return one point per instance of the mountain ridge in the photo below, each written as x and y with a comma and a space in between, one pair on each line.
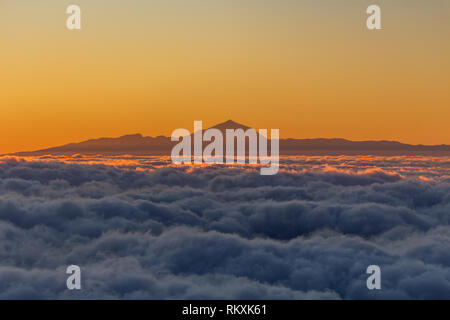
137, 144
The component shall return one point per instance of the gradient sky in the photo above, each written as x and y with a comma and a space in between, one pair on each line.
310, 68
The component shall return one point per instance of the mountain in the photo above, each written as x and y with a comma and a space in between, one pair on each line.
133, 144
230, 124
136, 144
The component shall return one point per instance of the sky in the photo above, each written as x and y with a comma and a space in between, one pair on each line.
309, 68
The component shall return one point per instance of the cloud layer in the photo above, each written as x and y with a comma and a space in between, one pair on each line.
225, 233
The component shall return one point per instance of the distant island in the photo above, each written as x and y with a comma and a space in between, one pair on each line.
136, 144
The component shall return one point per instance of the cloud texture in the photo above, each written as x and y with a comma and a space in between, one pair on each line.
220, 233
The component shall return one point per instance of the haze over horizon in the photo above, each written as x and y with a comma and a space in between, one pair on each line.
138, 145
229, 124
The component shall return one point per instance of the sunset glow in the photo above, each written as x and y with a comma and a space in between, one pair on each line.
310, 68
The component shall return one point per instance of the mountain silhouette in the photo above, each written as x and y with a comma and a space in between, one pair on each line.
136, 144
230, 124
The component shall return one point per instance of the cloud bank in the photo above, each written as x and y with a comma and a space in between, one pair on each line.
220, 233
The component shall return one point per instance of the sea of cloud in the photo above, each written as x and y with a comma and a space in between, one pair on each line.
142, 229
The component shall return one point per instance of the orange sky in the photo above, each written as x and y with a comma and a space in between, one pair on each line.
309, 68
